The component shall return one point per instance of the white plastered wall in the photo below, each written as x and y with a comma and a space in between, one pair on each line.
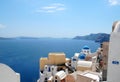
8, 75
113, 74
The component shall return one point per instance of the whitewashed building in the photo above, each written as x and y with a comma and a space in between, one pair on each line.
8, 75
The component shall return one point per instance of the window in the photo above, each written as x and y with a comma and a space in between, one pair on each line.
45, 67
49, 69
87, 51
52, 69
41, 71
45, 80
56, 79
74, 59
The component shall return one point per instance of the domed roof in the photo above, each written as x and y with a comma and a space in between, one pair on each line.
82, 56
86, 47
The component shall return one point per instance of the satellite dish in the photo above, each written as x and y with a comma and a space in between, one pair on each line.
7, 74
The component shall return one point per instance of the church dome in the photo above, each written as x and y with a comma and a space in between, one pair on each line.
82, 56
86, 47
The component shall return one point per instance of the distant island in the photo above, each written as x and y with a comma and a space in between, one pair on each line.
27, 37
99, 37
22, 38
3, 38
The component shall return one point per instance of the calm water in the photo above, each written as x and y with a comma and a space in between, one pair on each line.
23, 55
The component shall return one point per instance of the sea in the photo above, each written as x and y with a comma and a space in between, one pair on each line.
23, 55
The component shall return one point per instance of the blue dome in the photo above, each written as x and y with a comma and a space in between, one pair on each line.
86, 47
82, 56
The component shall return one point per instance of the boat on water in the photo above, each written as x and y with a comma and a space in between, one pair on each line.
100, 66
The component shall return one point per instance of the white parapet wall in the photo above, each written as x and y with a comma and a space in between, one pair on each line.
8, 75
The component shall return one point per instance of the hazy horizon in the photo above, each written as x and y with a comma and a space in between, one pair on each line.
47, 37
57, 18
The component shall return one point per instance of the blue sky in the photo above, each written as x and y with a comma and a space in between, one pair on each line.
57, 18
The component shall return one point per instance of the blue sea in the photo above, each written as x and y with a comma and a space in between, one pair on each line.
23, 55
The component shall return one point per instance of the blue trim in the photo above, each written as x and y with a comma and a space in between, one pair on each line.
49, 69
115, 62
74, 59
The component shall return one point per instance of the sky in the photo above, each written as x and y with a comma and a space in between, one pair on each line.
57, 18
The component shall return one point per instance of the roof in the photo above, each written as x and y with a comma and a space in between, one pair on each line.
82, 56
86, 47
74, 74
67, 59
92, 75
77, 54
50, 78
61, 75
84, 63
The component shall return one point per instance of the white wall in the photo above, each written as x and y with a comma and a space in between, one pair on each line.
113, 74
8, 75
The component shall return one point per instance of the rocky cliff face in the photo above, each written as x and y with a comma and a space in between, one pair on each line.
100, 37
